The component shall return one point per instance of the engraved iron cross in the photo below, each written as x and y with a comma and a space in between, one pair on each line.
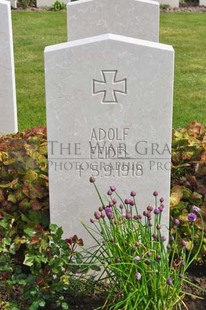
110, 86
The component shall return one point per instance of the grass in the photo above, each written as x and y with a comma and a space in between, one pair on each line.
184, 31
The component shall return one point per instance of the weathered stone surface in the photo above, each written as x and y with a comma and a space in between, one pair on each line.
109, 114
132, 18
8, 110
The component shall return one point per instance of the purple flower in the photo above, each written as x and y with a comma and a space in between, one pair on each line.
155, 236
138, 276
109, 193
181, 276
196, 209
97, 215
127, 201
183, 243
176, 222
112, 188
109, 212
191, 217
92, 179
169, 281
155, 194
163, 238
133, 194
117, 260
168, 246
128, 215
158, 258
161, 199
147, 261
172, 239
149, 208
156, 211
137, 258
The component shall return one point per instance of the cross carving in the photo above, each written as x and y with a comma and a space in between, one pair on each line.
110, 86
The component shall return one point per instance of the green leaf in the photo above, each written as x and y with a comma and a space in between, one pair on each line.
64, 306
42, 303
28, 261
29, 231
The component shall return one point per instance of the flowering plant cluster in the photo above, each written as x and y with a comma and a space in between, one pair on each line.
140, 257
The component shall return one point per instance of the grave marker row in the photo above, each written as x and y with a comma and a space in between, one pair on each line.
109, 110
8, 109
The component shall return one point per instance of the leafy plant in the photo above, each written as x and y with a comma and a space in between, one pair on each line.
49, 267
164, 6
143, 264
24, 178
58, 6
189, 179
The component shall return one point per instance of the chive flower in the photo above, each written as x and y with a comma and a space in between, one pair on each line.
92, 179
109, 213
191, 217
183, 243
138, 276
133, 194
156, 211
176, 222
112, 188
169, 281
196, 209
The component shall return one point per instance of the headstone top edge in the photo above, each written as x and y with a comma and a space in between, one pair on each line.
108, 36
73, 3
5, 3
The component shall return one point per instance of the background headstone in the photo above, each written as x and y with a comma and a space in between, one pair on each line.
132, 18
8, 109
48, 3
109, 114
171, 3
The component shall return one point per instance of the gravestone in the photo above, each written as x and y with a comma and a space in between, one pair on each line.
109, 115
8, 110
171, 3
132, 18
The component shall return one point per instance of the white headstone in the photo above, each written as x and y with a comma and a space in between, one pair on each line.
202, 2
109, 113
133, 18
8, 110
171, 3
48, 3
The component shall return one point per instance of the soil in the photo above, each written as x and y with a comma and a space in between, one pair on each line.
197, 275
186, 7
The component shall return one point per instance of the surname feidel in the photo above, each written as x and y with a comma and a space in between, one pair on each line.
111, 134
